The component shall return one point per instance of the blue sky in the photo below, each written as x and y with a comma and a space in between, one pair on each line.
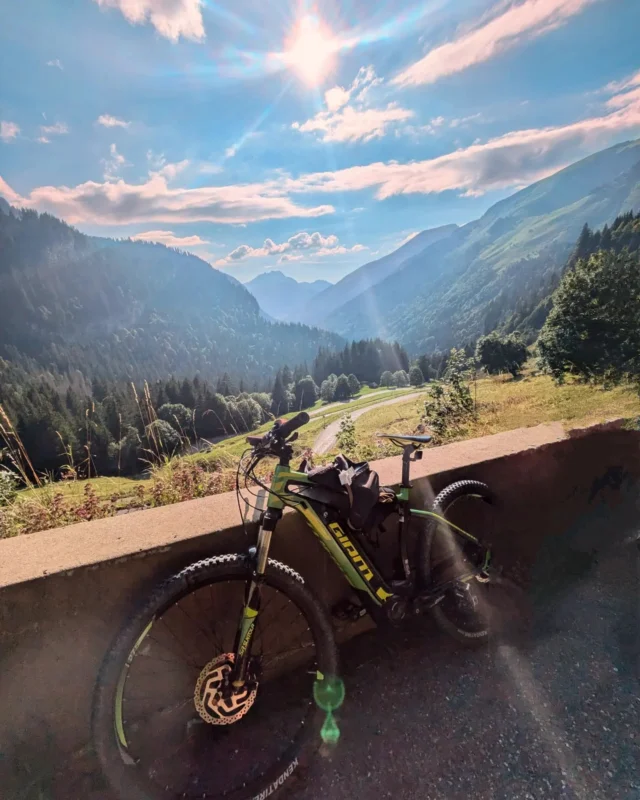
304, 137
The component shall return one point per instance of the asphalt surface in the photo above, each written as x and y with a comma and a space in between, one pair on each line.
558, 719
327, 437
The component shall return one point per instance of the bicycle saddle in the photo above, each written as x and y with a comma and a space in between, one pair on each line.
406, 437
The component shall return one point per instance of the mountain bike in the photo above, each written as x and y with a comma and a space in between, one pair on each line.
208, 690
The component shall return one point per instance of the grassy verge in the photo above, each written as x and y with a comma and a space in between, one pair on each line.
504, 404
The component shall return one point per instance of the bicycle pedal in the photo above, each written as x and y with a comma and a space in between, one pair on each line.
346, 611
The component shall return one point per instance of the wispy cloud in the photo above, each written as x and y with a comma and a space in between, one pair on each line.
107, 121
59, 129
291, 250
349, 118
169, 239
116, 202
511, 160
114, 163
505, 29
514, 159
55, 62
171, 18
8, 130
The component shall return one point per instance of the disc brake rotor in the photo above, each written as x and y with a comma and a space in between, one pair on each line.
213, 701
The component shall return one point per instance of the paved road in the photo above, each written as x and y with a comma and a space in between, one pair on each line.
344, 403
327, 437
424, 720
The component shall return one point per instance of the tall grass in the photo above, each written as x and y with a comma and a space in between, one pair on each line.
17, 452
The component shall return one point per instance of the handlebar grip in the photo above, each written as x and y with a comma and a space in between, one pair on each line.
290, 425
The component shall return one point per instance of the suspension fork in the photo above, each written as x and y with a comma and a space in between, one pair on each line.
252, 598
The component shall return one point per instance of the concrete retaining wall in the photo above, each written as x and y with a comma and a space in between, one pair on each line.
64, 593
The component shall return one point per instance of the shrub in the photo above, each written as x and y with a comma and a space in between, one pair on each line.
8, 486
449, 405
346, 437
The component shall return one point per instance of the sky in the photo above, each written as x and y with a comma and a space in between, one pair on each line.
309, 138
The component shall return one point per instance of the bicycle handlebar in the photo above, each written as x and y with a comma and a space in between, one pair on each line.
275, 438
287, 427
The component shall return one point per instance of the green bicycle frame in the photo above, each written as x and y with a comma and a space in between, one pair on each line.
358, 569
355, 565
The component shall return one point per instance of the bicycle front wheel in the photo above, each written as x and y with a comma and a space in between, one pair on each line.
163, 726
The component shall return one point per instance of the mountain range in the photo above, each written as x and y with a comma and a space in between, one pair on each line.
450, 284
132, 310
135, 310
282, 297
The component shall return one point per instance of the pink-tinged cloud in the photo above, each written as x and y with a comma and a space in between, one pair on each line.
8, 130
170, 239
116, 202
514, 159
349, 117
509, 161
171, 18
109, 121
507, 28
316, 242
353, 125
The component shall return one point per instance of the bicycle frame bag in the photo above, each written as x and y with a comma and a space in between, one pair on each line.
357, 480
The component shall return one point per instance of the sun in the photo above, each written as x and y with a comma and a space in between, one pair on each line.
310, 50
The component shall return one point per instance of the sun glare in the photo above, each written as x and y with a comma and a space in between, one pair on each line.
310, 50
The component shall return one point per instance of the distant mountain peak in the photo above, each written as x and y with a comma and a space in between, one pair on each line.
282, 297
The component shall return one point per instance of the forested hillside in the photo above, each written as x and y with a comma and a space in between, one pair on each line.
132, 310
528, 313
368, 275
470, 282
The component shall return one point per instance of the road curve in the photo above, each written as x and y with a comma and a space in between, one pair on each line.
327, 437
345, 403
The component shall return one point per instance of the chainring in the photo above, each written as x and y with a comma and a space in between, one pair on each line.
213, 704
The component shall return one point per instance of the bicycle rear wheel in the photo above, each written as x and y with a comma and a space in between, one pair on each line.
163, 727
470, 611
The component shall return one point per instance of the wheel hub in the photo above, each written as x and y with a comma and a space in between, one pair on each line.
216, 701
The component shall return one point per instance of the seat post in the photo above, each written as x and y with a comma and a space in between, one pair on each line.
407, 452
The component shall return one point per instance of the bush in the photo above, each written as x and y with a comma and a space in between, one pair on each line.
449, 405
416, 378
501, 354
354, 384
8, 486
346, 437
